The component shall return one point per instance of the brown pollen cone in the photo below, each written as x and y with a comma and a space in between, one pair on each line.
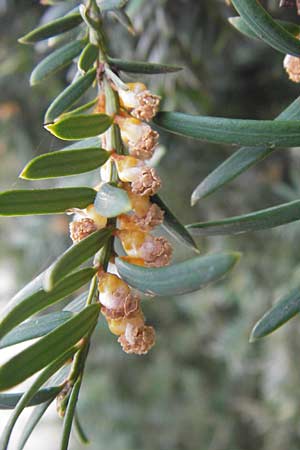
290, 4
142, 340
145, 146
80, 229
153, 218
147, 183
131, 305
292, 67
148, 106
158, 253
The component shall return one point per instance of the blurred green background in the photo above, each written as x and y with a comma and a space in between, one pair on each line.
203, 386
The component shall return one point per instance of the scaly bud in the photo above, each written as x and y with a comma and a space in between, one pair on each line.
141, 103
100, 105
62, 400
139, 137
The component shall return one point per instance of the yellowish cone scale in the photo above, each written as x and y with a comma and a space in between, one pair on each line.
138, 137
112, 290
131, 128
100, 106
99, 220
128, 97
128, 167
125, 222
136, 261
118, 326
139, 204
110, 282
132, 241
155, 251
136, 87
106, 171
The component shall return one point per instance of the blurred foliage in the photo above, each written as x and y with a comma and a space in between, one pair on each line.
203, 386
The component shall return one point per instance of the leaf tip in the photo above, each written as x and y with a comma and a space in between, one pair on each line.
252, 339
254, 336
236, 256
232, 20
22, 174
259, 331
198, 194
194, 200
23, 40
196, 249
132, 31
32, 80
48, 284
50, 127
47, 118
